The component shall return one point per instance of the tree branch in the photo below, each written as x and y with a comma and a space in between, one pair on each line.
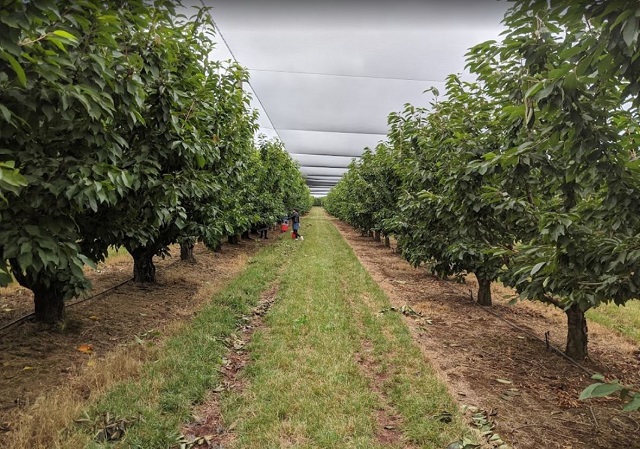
552, 300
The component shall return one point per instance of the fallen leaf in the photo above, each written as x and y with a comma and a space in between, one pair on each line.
27, 368
87, 349
504, 381
93, 317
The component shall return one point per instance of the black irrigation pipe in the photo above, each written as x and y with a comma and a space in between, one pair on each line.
107, 290
521, 329
515, 326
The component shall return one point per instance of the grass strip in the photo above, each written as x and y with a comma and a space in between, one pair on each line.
162, 398
305, 386
624, 319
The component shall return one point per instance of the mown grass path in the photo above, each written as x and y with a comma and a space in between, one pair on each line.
330, 370
330, 366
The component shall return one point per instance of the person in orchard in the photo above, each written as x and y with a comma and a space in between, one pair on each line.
295, 220
262, 229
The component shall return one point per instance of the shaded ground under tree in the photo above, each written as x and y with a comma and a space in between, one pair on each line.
36, 359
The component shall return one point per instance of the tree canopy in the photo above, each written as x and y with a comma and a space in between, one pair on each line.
529, 174
116, 129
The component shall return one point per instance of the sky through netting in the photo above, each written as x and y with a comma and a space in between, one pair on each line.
325, 75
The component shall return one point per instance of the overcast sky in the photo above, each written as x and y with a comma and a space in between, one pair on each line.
328, 73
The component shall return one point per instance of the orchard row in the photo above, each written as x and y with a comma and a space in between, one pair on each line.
117, 130
529, 174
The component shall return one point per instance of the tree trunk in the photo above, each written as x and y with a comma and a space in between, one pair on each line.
48, 295
143, 268
218, 247
376, 236
577, 336
484, 290
49, 305
246, 236
233, 239
387, 242
186, 252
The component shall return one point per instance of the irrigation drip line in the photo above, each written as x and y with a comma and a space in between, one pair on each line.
515, 326
107, 290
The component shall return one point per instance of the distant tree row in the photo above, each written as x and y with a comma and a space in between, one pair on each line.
116, 130
530, 174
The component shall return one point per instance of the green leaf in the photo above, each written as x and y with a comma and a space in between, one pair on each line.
93, 204
555, 74
537, 267
544, 93
66, 35
533, 89
87, 261
5, 277
570, 81
17, 68
599, 390
33, 230
489, 156
569, 53
634, 404
622, 17
6, 113
57, 43
25, 260
629, 31
201, 160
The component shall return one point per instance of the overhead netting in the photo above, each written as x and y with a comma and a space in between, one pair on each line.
326, 75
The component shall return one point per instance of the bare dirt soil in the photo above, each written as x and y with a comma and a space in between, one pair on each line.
530, 392
208, 429
35, 359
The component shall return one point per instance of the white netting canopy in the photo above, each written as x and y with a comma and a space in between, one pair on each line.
325, 75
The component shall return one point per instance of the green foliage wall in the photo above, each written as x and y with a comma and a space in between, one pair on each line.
530, 174
117, 130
